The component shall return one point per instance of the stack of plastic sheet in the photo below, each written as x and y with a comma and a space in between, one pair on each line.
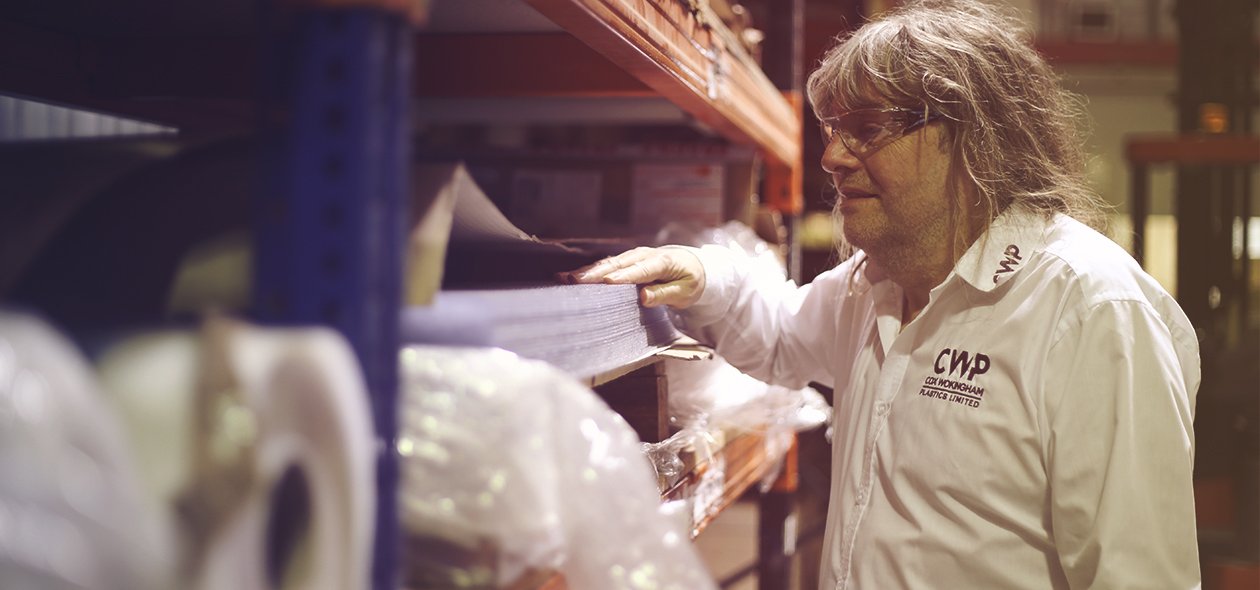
493, 290
584, 330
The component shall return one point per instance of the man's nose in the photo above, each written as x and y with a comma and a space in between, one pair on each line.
838, 159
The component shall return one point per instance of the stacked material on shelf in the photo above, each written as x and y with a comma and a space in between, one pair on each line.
459, 239
584, 330
493, 292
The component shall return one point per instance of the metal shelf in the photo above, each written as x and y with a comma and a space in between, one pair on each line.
691, 59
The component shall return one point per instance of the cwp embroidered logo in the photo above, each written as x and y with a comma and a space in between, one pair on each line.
1012, 260
954, 365
964, 363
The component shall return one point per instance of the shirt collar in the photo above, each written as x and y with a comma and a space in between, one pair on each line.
992, 260
1002, 252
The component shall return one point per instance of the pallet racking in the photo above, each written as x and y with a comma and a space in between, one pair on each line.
328, 86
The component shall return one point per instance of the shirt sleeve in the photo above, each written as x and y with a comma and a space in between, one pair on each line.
761, 323
1120, 447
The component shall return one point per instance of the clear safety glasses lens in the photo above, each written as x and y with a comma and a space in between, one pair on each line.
865, 131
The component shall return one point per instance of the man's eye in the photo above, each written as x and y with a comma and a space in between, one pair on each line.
867, 130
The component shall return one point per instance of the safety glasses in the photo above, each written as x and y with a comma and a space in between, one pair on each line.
866, 131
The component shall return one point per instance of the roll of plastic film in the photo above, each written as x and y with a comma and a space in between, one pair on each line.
72, 510
269, 475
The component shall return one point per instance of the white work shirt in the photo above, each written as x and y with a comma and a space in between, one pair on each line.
1030, 429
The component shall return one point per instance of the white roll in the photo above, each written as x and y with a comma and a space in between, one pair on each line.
276, 452
72, 511
152, 378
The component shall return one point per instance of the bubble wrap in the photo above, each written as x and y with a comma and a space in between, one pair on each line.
513, 459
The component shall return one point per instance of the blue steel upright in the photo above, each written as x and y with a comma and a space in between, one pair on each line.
331, 203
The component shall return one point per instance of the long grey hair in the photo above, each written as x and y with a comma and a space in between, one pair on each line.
1011, 127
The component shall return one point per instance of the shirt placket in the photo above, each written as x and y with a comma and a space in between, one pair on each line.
889, 381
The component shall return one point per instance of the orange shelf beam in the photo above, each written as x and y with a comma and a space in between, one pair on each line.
517, 64
672, 51
1066, 53
1193, 148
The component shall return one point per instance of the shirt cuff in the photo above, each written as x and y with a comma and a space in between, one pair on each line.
720, 274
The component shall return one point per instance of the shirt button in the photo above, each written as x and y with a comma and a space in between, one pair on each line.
881, 408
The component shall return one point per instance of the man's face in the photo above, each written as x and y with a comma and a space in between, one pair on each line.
897, 200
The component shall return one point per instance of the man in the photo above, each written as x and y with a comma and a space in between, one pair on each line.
1013, 396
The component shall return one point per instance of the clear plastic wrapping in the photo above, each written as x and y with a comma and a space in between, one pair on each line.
511, 467
712, 392
732, 235
710, 400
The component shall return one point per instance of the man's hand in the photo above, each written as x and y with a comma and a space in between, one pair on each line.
670, 276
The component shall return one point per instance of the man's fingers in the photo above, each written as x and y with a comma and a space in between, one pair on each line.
647, 270
627, 267
678, 294
670, 276
593, 273
656, 295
